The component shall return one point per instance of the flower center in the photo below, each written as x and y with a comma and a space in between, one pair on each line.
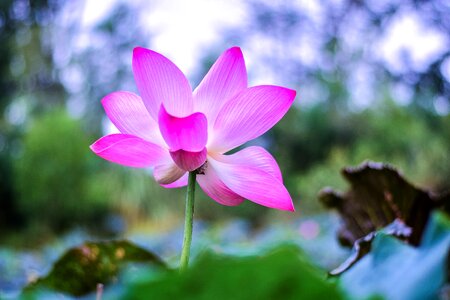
201, 170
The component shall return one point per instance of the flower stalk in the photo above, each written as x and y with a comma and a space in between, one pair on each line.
188, 221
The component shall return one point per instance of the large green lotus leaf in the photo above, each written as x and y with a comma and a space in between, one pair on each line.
396, 270
378, 195
81, 269
281, 274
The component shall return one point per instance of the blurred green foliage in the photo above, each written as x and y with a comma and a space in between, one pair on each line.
55, 173
60, 183
283, 273
389, 133
27, 87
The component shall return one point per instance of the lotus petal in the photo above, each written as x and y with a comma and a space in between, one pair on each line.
129, 150
167, 173
225, 79
216, 189
248, 115
160, 81
128, 113
252, 180
183, 181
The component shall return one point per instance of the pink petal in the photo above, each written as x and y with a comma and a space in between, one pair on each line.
160, 81
128, 113
129, 150
183, 181
167, 173
252, 181
216, 189
189, 161
257, 157
225, 79
248, 115
188, 133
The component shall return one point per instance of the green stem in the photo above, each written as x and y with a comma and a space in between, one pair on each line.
188, 221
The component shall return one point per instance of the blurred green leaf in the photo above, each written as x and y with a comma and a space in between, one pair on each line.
398, 271
281, 274
80, 269
378, 195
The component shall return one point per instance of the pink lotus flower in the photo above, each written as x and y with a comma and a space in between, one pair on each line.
175, 130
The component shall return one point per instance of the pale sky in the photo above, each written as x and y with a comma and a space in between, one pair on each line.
182, 28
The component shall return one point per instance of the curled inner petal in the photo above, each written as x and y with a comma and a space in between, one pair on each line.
189, 133
187, 160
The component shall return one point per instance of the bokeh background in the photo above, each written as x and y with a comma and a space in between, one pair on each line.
372, 79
